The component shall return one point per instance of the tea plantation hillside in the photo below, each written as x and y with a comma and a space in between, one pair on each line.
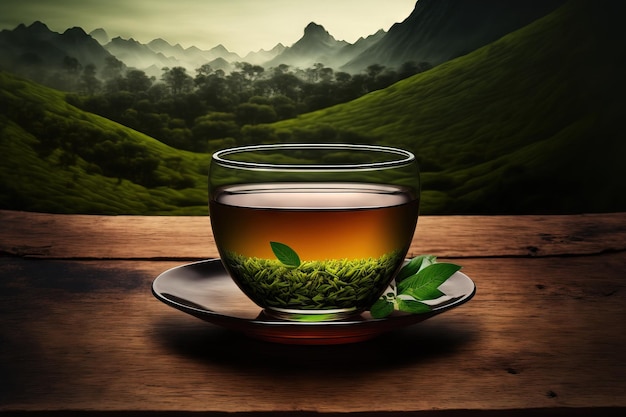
532, 123
56, 158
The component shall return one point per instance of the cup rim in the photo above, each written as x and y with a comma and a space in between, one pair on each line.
407, 157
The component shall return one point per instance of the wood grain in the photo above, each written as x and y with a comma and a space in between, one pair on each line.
544, 335
48, 236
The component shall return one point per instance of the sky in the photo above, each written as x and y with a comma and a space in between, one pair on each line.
240, 25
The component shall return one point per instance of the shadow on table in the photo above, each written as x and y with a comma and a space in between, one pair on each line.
431, 340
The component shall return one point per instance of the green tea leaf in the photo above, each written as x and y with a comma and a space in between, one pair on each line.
418, 280
381, 308
424, 293
414, 266
424, 285
413, 306
285, 254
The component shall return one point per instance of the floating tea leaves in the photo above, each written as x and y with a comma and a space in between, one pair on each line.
289, 283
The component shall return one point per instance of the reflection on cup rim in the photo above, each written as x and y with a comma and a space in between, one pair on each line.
219, 157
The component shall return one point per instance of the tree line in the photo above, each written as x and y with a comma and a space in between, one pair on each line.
212, 108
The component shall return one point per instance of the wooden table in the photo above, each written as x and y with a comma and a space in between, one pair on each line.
544, 335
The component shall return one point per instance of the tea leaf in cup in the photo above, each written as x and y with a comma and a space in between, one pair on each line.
314, 284
285, 254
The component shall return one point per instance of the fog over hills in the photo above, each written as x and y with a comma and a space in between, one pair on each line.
159, 53
137, 55
316, 45
262, 56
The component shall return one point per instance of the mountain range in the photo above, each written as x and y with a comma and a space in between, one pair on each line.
439, 30
436, 31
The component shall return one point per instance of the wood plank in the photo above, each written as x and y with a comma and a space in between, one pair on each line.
541, 334
187, 238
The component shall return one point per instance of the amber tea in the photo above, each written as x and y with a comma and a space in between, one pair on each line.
348, 239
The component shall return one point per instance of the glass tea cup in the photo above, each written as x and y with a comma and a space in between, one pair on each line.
313, 232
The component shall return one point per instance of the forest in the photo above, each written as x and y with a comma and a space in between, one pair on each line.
213, 109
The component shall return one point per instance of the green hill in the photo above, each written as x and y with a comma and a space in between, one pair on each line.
56, 158
529, 124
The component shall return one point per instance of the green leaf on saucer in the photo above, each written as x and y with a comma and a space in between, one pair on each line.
414, 266
417, 280
413, 306
381, 308
424, 285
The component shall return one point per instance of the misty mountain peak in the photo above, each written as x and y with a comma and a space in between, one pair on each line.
75, 32
313, 29
219, 48
38, 26
316, 45
35, 28
313, 26
159, 42
278, 48
100, 35
163, 46
118, 40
